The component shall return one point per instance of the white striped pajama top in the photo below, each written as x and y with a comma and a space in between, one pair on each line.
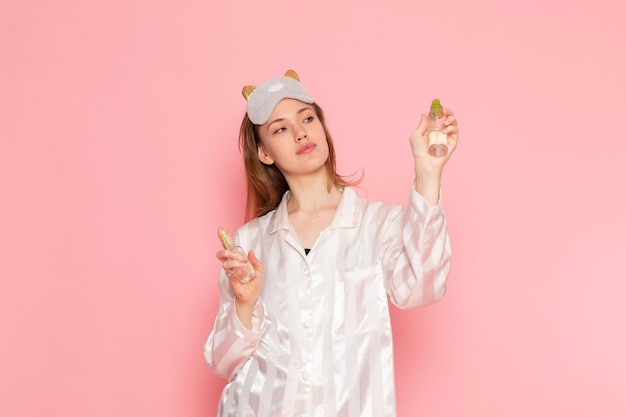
321, 342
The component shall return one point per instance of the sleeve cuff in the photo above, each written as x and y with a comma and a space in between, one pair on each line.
258, 321
421, 206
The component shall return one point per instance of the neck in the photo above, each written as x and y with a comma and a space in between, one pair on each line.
311, 194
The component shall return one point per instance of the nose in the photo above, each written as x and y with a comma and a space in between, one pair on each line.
301, 134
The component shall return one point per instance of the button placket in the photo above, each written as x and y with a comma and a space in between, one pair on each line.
306, 312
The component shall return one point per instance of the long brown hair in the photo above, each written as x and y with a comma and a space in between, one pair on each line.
266, 184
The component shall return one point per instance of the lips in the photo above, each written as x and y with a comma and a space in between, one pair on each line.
306, 148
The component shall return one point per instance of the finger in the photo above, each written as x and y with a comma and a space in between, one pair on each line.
238, 275
451, 130
448, 112
452, 142
451, 125
256, 263
224, 255
233, 265
450, 120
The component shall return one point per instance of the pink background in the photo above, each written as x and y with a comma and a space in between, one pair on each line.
118, 160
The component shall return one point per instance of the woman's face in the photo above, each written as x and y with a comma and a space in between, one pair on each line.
293, 138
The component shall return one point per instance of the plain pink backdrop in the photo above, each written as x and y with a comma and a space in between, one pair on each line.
118, 160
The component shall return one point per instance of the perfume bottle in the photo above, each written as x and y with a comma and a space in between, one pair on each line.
437, 139
246, 272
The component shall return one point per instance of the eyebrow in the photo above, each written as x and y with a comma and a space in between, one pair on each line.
282, 118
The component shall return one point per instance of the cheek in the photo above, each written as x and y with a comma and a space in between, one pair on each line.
319, 131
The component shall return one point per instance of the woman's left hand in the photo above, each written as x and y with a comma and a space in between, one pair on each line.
429, 168
419, 142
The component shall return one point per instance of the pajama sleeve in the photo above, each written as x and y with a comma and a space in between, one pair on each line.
416, 253
230, 343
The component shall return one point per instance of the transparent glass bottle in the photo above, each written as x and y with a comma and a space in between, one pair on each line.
245, 271
437, 139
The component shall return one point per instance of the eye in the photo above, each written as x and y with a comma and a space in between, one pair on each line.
279, 130
308, 119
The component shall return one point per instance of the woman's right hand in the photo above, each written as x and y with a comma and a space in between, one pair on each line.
246, 289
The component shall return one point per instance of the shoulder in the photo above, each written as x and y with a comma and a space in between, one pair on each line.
256, 223
366, 208
258, 226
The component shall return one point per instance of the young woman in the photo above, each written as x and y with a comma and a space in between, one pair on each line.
303, 324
